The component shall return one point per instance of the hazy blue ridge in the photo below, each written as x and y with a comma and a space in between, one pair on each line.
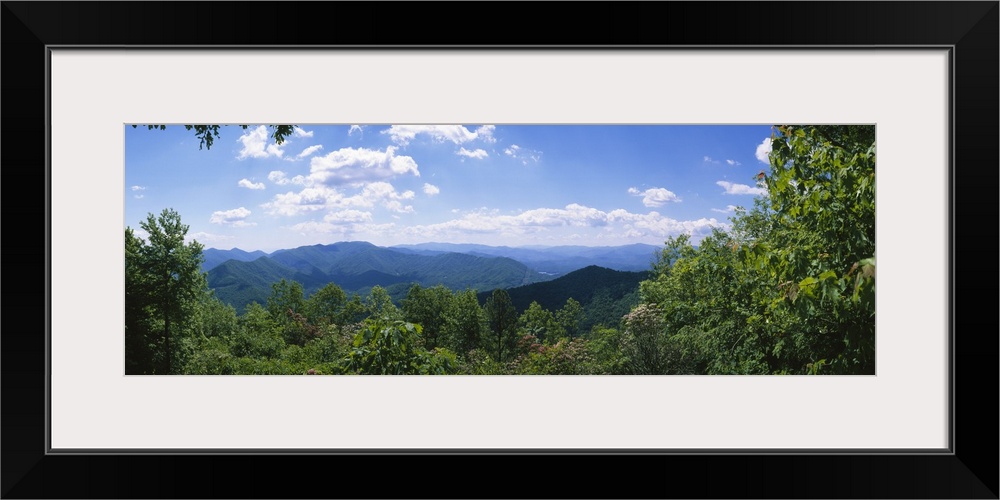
214, 256
356, 267
557, 259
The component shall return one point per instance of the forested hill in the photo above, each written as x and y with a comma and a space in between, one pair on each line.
214, 257
356, 267
605, 294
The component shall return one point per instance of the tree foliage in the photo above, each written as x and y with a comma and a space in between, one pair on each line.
464, 323
643, 341
428, 307
392, 347
540, 323
790, 288
207, 134
501, 316
570, 316
822, 249
163, 287
379, 304
327, 305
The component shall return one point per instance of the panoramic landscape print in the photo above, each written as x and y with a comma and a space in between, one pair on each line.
483, 249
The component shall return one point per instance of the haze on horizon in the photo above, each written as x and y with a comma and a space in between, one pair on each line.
502, 185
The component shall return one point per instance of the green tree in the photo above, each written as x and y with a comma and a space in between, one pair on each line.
464, 323
164, 285
327, 306
501, 316
822, 247
393, 347
354, 311
258, 336
428, 307
286, 295
643, 341
790, 287
209, 356
570, 317
213, 318
286, 304
141, 341
605, 346
712, 303
541, 323
379, 305
563, 357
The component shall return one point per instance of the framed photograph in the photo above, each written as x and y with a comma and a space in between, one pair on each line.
928, 86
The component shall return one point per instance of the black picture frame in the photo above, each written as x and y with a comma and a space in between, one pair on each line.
969, 28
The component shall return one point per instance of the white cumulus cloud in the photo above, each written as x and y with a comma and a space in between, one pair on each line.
234, 218
733, 163
431, 189
332, 178
350, 165
574, 218
246, 183
342, 228
347, 216
654, 197
302, 133
485, 133
280, 178
255, 145
478, 154
731, 188
524, 155
310, 150
320, 197
138, 188
309, 199
381, 193
729, 209
458, 134
763, 150
203, 237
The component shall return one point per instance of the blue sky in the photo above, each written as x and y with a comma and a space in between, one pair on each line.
594, 185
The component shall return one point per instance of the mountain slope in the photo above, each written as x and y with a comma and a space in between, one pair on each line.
357, 267
214, 257
605, 294
238, 283
554, 260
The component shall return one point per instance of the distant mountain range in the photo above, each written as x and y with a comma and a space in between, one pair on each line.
356, 267
555, 260
214, 256
552, 261
240, 277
